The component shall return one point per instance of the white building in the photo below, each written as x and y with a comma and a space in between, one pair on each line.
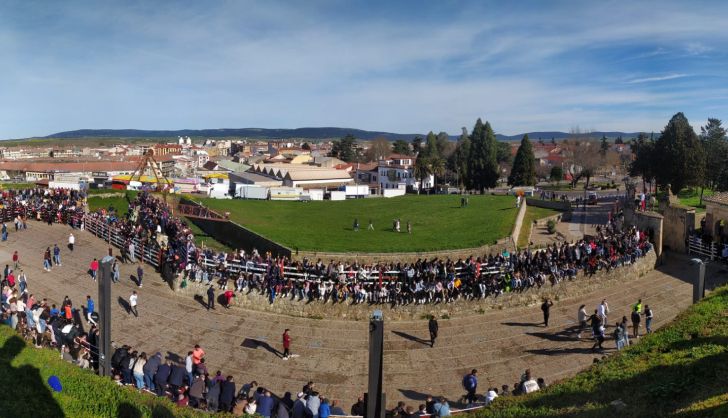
397, 172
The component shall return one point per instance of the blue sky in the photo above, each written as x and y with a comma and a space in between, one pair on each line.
405, 66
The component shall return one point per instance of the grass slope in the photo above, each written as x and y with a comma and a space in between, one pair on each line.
681, 371
24, 372
438, 222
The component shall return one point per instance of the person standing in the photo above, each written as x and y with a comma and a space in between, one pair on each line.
71, 241
211, 297
470, 383
5, 232
56, 255
434, 328
16, 259
603, 311
133, 299
90, 309
93, 267
581, 316
546, 308
356, 224
371, 225
47, 259
140, 274
636, 318
132, 255
648, 319
286, 344
115, 273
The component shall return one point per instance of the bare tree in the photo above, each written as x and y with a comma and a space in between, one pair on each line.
378, 149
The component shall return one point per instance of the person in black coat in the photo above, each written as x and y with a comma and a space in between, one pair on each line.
546, 308
227, 394
434, 327
210, 298
161, 378
176, 378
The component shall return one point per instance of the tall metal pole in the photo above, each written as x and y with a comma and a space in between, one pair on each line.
374, 398
699, 286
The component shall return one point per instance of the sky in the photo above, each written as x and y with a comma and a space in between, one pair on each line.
397, 66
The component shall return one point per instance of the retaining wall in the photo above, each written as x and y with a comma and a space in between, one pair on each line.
533, 297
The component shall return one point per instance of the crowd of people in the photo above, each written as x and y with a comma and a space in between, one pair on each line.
150, 222
45, 205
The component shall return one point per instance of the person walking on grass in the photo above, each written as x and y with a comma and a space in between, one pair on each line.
356, 225
371, 226
286, 344
133, 300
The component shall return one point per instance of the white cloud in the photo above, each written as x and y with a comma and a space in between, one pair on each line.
656, 78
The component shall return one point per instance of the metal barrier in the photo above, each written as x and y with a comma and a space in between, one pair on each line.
697, 245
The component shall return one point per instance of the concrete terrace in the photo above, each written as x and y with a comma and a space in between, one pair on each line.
333, 352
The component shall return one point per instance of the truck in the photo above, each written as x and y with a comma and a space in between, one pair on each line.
247, 191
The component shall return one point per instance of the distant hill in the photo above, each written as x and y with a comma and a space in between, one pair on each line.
304, 133
258, 133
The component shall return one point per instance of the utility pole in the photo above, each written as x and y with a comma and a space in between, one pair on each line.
374, 399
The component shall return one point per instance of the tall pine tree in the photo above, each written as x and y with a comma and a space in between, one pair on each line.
523, 172
483, 164
680, 155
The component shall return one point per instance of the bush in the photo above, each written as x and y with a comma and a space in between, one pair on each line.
551, 226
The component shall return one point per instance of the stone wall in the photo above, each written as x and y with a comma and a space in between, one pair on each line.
317, 310
498, 246
549, 204
677, 224
649, 221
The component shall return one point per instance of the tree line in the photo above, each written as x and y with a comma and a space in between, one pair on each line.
681, 158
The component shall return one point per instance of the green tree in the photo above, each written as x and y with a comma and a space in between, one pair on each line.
443, 144
557, 173
604, 147
713, 136
436, 167
523, 172
458, 161
619, 140
681, 159
345, 149
401, 146
482, 164
430, 150
644, 163
421, 170
503, 152
416, 145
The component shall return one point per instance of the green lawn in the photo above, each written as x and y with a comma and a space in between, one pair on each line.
691, 197
681, 371
17, 186
532, 213
24, 372
438, 222
117, 202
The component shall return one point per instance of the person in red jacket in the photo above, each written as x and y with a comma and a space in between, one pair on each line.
286, 344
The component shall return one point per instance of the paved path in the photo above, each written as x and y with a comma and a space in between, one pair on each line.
333, 353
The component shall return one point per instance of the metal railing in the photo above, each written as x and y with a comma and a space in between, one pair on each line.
697, 245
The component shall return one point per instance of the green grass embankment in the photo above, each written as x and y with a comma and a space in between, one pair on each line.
679, 371
24, 372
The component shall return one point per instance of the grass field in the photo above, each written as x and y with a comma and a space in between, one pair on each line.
679, 371
533, 213
691, 197
438, 222
24, 372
